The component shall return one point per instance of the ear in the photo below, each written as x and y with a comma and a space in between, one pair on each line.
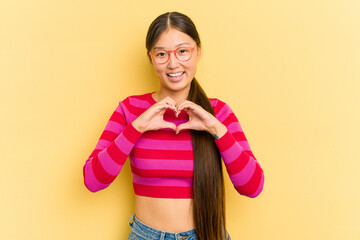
198, 53
150, 60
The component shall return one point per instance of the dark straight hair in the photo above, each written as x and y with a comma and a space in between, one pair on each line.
208, 186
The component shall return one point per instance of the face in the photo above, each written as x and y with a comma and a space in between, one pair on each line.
176, 75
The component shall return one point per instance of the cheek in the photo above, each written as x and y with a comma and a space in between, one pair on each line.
190, 65
159, 70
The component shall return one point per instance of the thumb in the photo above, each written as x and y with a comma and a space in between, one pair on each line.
169, 125
182, 127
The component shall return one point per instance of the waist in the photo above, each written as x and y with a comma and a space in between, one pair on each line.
165, 214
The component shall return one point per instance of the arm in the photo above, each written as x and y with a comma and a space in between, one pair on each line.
244, 170
111, 152
119, 138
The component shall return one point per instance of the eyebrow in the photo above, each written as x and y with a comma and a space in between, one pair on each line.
180, 44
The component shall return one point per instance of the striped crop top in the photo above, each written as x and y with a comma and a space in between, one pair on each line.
161, 161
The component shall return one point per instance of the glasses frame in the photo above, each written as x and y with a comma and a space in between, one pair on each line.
172, 51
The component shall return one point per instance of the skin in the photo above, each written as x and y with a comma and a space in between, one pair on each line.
173, 215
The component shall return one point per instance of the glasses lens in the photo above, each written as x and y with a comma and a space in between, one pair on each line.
183, 53
160, 56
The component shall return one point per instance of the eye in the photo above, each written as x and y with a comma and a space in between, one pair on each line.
160, 54
183, 51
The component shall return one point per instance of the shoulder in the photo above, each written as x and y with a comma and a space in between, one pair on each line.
137, 101
137, 97
218, 105
222, 110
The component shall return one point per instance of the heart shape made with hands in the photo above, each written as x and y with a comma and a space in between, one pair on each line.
177, 112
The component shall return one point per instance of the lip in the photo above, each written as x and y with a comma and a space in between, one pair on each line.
177, 78
175, 72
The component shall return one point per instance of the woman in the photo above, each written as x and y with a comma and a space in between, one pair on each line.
175, 138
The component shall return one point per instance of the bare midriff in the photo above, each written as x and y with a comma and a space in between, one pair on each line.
165, 214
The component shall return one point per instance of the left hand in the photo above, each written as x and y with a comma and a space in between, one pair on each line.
200, 119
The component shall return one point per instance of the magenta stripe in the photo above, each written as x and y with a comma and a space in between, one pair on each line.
234, 127
231, 154
162, 164
260, 188
245, 174
166, 182
223, 113
132, 117
139, 103
109, 165
114, 127
245, 145
124, 144
90, 180
102, 143
213, 102
164, 144
128, 115
178, 122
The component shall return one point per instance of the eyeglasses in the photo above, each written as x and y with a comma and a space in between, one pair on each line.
161, 56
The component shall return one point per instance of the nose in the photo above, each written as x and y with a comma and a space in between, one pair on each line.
173, 62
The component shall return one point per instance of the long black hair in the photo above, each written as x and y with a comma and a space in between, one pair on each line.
208, 186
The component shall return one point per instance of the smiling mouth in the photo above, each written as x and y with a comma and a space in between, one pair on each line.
175, 74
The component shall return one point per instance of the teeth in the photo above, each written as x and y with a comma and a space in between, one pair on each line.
175, 74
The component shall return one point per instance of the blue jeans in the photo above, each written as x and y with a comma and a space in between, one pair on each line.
141, 231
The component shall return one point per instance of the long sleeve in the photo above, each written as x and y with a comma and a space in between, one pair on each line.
243, 168
111, 151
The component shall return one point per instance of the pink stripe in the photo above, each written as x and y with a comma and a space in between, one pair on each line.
109, 165
234, 127
223, 113
178, 122
162, 164
245, 145
124, 144
232, 153
260, 188
132, 117
213, 102
139, 103
244, 175
114, 127
129, 116
102, 144
90, 180
166, 182
164, 144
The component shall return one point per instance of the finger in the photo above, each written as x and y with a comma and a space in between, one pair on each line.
185, 108
188, 105
168, 100
165, 106
156, 110
182, 127
190, 110
182, 102
170, 125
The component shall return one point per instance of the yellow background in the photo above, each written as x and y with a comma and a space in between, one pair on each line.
289, 69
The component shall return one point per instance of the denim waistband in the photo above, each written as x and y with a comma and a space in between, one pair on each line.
148, 232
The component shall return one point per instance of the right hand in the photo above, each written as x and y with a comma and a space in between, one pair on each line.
152, 118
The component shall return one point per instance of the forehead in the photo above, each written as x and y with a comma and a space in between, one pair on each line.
172, 38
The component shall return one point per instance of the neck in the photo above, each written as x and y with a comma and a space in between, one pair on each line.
177, 96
